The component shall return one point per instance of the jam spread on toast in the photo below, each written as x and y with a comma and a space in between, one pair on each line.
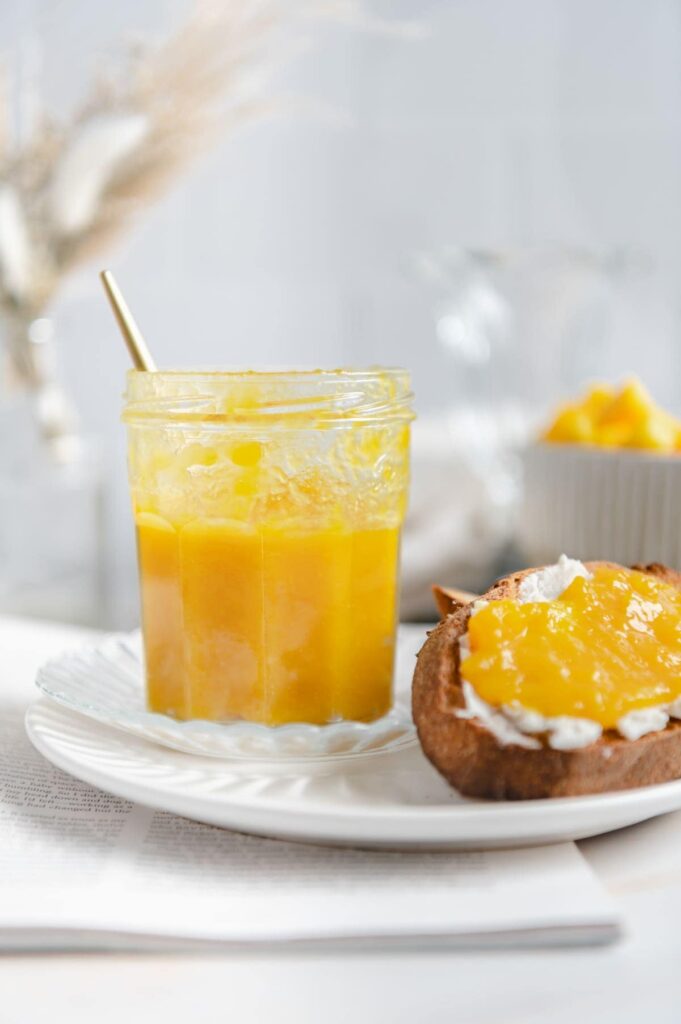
609, 645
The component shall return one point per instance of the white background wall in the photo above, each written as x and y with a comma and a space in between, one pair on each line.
509, 123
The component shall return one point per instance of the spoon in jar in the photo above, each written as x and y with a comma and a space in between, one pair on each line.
136, 345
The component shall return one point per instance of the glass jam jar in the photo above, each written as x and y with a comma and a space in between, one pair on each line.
268, 508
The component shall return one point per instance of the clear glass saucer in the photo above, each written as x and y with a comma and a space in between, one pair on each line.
105, 682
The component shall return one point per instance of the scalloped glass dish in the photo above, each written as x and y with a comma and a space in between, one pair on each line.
105, 682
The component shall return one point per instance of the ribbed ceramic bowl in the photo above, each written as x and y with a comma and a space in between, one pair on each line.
599, 503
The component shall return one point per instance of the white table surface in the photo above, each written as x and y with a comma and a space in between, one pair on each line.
635, 980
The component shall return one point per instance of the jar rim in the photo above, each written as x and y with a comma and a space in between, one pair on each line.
270, 371
208, 396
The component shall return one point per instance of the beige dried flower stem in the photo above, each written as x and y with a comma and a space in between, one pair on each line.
191, 89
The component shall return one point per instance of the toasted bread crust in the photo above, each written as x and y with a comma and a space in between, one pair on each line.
475, 763
449, 600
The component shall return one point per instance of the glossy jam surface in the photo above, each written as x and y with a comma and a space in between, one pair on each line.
268, 548
624, 418
608, 645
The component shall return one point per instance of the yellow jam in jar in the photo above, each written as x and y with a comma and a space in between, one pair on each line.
608, 645
268, 510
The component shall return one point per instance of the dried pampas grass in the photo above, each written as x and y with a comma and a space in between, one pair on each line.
75, 187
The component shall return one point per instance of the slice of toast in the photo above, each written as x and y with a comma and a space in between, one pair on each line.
474, 762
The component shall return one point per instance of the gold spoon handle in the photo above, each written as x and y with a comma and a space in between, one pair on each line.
137, 347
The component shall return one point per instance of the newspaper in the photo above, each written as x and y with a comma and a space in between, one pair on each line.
82, 869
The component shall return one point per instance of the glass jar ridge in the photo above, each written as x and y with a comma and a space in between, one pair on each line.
268, 509
289, 397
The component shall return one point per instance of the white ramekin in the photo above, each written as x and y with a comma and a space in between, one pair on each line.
600, 503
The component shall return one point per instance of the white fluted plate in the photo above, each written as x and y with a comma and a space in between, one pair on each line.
105, 682
394, 801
